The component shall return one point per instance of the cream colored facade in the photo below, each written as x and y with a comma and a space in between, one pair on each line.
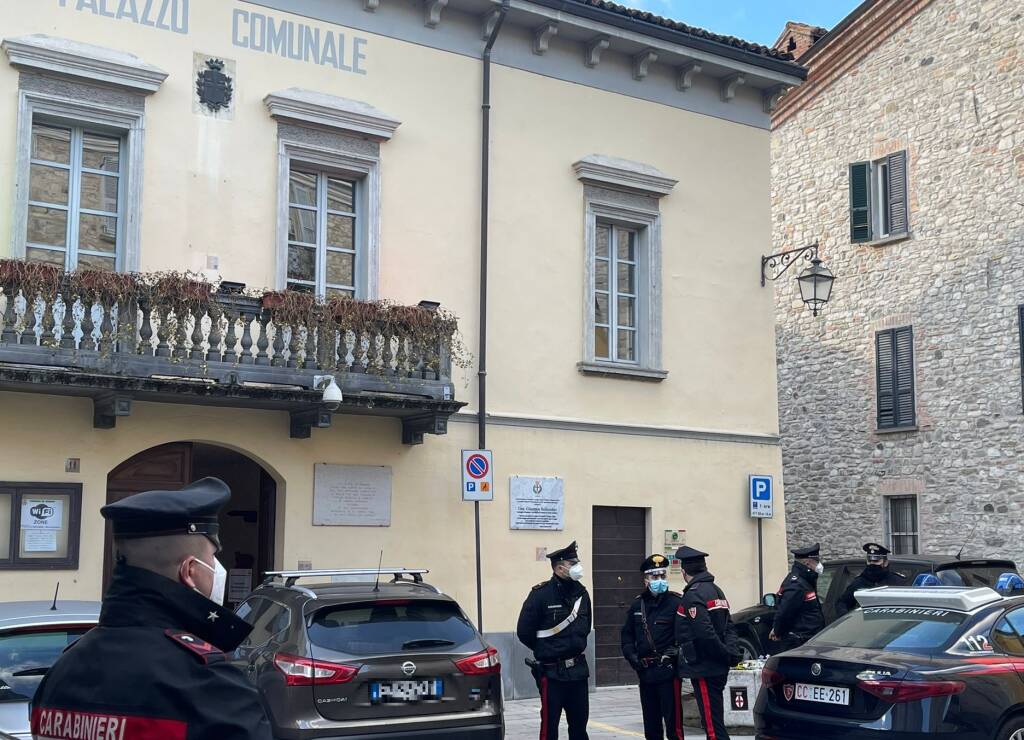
682, 448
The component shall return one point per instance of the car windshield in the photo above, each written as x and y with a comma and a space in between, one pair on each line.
26, 656
391, 626
896, 628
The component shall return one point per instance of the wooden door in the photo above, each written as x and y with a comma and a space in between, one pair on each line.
620, 537
167, 467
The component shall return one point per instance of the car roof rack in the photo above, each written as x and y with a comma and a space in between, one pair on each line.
291, 576
957, 598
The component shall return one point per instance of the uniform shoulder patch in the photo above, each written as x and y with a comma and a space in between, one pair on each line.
542, 584
206, 652
793, 578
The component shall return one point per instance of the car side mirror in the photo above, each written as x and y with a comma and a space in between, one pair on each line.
769, 600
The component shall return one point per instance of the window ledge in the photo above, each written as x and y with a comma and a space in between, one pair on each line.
626, 372
885, 241
897, 430
341, 114
85, 61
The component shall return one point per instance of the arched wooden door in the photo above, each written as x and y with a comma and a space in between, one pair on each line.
167, 467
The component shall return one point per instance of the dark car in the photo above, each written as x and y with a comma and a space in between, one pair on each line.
910, 664
341, 659
754, 623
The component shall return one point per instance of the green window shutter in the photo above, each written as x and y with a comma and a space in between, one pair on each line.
904, 377
884, 379
897, 205
860, 202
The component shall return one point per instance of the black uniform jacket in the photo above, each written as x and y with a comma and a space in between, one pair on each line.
562, 607
870, 577
708, 644
152, 668
799, 610
648, 633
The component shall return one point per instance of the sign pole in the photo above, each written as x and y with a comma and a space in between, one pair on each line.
477, 486
760, 560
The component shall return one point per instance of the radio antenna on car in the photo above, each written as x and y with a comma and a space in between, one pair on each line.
966, 541
376, 583
53, 607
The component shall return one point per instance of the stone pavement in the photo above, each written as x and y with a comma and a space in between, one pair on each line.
614, 713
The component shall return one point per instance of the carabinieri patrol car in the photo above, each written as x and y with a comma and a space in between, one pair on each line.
910, 664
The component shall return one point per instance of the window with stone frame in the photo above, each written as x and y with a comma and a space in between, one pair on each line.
322, 232
74, 210
894, 378
901, 526
616, 293
878, 199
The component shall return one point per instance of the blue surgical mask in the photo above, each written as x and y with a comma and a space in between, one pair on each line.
658, 586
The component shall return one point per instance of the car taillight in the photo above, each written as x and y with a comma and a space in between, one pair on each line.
307, 672
770, 678
898, 692
480, 663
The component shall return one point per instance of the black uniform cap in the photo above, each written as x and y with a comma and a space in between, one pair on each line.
811, 551
687, 554
656, 562
566, 553
192, 510
876, 552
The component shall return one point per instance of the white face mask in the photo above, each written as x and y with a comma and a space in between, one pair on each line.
576, 572
819, 569
220, 579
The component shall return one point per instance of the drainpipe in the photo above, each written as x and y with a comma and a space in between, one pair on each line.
485, 183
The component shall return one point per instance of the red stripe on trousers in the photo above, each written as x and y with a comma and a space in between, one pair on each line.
709, 725
544, 708
677, 685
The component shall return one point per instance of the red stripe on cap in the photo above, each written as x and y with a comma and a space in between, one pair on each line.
69, 724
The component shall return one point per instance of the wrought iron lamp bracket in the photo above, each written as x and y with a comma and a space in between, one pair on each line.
779, 262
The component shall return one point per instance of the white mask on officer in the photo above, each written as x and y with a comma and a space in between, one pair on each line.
220, 579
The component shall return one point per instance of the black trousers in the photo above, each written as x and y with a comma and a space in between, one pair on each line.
570, 696
711, 704
662, 705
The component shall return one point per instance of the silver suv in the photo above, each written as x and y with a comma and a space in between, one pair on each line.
362, 659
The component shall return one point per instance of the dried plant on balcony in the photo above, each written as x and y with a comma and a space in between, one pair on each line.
32, 278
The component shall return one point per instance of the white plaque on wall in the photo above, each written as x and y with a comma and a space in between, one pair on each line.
354, 495
536, 503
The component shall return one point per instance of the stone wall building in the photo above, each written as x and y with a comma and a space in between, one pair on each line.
903, 157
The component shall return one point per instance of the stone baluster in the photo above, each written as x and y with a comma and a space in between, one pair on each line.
293, 345
48, 339
246, 357
105, 343
310, 359
213, 354
67, 324
28, 329
262, 358
180, 351
278, 359
163, 331
10, 333
88, 340
196, 353
231, 339
146, 330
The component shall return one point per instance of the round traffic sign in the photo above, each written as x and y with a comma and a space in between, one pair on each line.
477, 466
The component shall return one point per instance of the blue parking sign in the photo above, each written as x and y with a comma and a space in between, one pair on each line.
761, 496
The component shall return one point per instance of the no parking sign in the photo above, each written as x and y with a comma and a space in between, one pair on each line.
477, 475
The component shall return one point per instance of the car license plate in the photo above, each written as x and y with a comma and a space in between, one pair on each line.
822, 694
393, 691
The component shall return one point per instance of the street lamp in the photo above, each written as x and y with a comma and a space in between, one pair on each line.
815, 282
816, 285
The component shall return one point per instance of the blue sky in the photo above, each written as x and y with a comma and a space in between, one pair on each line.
754, 20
